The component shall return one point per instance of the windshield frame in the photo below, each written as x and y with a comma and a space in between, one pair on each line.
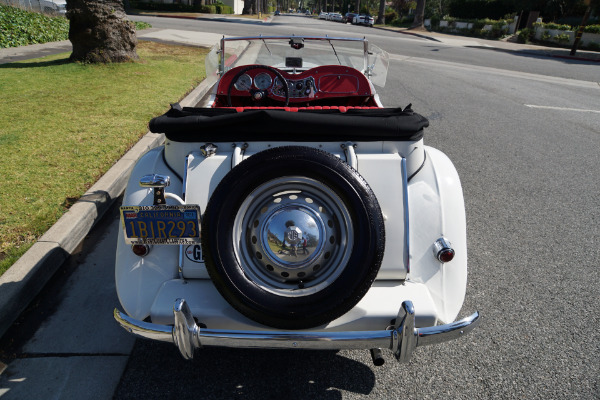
222, 67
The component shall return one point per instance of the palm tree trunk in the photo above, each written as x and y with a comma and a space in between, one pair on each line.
100, 32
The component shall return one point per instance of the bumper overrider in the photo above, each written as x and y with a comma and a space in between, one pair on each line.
402, 337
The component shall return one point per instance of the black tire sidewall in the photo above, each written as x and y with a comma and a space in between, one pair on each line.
304, 311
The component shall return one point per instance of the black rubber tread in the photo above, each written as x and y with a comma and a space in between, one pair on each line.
295, 312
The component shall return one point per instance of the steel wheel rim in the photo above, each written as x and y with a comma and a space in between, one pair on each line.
272, 252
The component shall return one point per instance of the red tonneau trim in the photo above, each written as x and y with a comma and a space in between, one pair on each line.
342, 109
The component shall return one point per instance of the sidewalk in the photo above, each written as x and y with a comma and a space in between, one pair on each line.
499, 45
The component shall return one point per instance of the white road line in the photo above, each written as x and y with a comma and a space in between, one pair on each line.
562, 108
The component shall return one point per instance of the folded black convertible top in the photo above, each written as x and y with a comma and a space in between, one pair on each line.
299, 125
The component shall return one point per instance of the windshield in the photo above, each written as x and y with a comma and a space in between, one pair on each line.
296, 54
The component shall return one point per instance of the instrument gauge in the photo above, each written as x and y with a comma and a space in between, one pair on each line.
243, 83
262, 81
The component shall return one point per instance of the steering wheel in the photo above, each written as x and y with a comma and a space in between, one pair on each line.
259, 94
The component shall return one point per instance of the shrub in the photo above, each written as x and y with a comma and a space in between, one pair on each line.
592, 29
150, 6
223, 9
562, 38
546, 35
525, 35
558, 27
402, 22
593, 46
20, 28
390, 15
139, 25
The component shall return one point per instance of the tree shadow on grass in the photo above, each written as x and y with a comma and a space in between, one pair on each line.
38, 64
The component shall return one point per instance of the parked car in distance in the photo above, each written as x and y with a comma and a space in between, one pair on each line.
349, 17
336, 17
364, 20
307, 12
277, 12
323, 15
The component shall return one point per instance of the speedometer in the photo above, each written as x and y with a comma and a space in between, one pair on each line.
262, 81
243, 83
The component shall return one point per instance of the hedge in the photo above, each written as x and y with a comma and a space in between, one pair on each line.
563, 27
208, 9
19, 27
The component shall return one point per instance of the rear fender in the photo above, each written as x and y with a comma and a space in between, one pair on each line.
138, 279
437, 209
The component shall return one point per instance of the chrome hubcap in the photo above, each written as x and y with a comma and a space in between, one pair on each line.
292, 236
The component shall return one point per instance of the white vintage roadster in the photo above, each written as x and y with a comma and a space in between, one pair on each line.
291, 209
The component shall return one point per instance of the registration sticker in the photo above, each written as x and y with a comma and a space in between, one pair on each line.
161, 224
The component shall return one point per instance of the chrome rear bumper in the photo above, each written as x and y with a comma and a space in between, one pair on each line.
402, 338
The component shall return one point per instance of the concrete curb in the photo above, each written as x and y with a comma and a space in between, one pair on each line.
27, 277
211, 18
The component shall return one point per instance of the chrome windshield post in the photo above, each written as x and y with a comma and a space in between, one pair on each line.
366, 56
222, 56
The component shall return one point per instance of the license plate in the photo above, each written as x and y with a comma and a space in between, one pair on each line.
161, 224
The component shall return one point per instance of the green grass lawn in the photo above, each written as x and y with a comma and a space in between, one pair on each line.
63, 125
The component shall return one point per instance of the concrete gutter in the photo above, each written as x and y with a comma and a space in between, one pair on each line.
26, 278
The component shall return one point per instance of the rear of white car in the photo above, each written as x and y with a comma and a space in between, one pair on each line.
322, 227
364, 20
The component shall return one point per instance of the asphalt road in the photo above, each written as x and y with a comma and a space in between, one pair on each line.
524, 134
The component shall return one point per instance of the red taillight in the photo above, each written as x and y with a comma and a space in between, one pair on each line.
140, 249
442, 250
446, 255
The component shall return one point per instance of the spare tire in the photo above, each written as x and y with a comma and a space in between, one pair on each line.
293, 237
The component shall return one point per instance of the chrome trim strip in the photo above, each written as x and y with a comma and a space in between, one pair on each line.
401, 339
350, 154
184, 180
183, 192
443, 333
163, 333
406, 212
238, 153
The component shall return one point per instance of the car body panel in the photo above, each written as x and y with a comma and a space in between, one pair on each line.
416, 187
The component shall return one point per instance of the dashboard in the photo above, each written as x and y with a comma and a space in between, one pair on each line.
258, 85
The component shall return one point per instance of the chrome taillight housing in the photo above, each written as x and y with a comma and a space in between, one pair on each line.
442, 250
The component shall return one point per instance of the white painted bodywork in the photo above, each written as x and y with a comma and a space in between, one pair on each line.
148, 287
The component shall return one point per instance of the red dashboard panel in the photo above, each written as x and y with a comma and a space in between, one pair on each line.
338, 83
324, 85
